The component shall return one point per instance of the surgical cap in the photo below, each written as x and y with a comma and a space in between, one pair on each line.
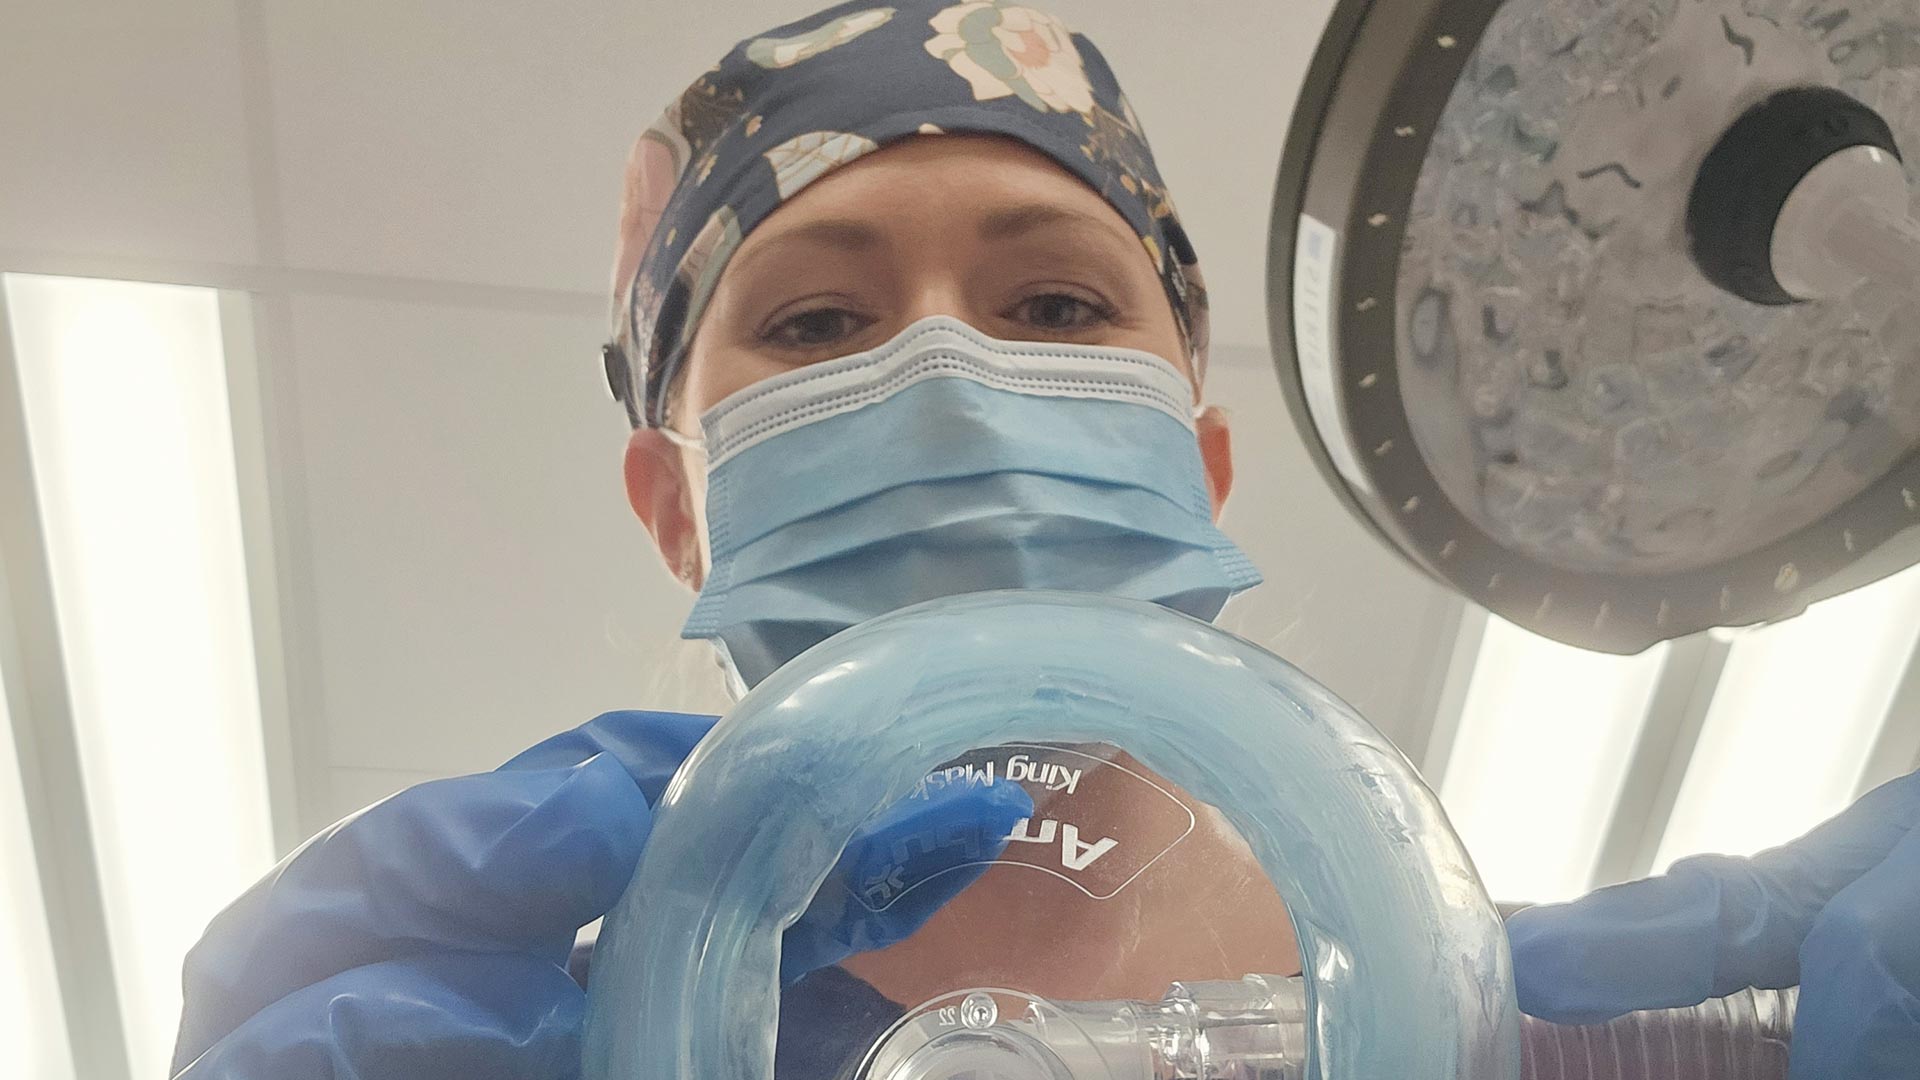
783, 109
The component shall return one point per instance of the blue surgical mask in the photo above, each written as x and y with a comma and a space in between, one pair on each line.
948, 462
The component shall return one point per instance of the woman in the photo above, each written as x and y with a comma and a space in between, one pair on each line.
903, 310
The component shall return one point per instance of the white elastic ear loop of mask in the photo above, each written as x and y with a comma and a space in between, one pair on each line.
681, 439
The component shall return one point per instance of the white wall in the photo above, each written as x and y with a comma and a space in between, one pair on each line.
420, 197
1337, 603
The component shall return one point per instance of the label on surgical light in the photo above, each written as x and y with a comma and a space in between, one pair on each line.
1313, 324
1098, 822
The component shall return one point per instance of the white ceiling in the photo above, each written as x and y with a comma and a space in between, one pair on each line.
482, 143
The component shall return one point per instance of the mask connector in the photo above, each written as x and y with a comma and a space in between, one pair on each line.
1253, 1029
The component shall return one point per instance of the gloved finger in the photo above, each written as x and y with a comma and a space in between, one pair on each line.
900, 869
500, 862
467, 1015
1859, 1011
1711, 926
652, 746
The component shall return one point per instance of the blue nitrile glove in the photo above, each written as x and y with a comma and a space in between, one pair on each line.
427, 936
1837, 912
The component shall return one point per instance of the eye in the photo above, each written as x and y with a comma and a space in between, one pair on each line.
816, 329
1063, 312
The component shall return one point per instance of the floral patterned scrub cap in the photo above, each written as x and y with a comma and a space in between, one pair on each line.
782, 110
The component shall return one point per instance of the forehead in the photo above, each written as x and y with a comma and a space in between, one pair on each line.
945, 178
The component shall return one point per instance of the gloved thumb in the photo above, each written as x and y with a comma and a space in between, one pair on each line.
901, 869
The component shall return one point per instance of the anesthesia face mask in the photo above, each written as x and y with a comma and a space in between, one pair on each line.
1183, 782
1172, 768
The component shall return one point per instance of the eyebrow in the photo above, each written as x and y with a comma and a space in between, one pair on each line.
1011, 222
853, 234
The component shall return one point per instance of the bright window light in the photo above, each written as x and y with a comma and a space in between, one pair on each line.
1792, 722
1545, 738
124, 386
32, 1027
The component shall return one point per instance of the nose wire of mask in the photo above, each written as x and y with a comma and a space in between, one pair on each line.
698, 443
948, 462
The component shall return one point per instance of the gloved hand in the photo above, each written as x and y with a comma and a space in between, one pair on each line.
428, 935
1837, 912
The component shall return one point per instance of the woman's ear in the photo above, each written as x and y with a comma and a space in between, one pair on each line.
1216, 454
661, 494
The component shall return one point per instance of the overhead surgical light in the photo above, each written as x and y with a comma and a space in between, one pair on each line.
1600, 313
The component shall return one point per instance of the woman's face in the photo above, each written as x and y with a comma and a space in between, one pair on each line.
978, 227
